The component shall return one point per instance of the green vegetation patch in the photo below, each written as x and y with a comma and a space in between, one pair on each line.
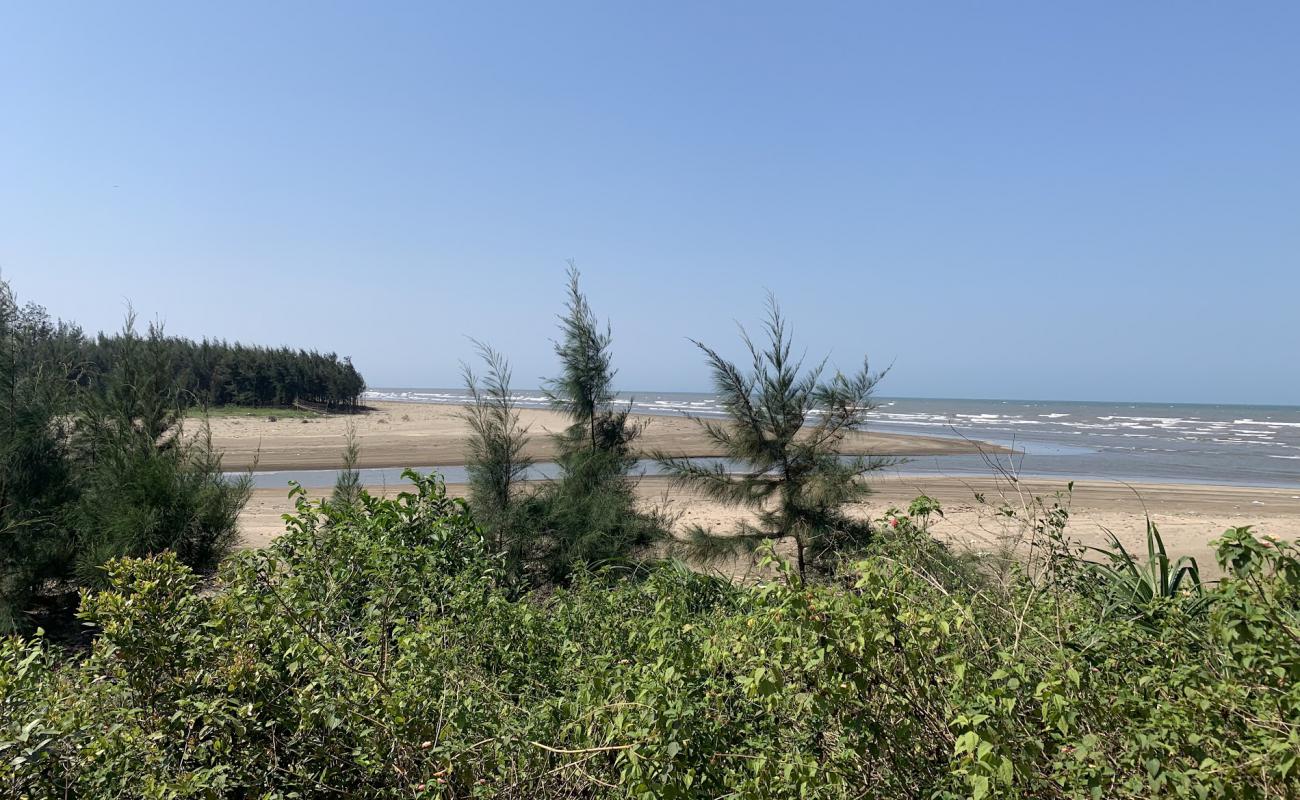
94, 464
376, 650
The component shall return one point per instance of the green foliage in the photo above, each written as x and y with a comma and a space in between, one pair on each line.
144, 486
270, 413
923, 507
347, 486
215, 373
584, 391
35, 482
98, 467
589, 516
496, 462
1260, 623
207, 374
373, 652
796, 476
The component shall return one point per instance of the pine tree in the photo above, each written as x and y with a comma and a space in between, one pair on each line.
584, 390
143, 485
497, 462
590, 515
347, 485
786, 429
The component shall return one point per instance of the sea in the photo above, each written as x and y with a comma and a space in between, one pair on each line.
1135, 442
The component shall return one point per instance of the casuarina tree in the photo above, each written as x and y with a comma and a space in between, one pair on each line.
496, 460
785, 434
590, 515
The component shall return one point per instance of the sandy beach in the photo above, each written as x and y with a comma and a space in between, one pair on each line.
402, 434
423, 434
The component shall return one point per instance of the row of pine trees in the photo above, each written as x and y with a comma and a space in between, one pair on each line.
216, 373
207, 373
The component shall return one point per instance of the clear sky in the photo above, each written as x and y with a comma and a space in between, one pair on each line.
1077, 200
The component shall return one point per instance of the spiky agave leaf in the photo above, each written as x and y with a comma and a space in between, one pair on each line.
1135, 584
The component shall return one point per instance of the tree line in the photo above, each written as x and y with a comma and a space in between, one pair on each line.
217, 373
206, 373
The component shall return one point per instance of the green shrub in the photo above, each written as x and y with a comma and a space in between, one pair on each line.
1130, 585
144, 485
36, 485
373, 652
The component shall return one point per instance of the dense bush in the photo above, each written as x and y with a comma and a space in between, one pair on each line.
36, 490
372, 652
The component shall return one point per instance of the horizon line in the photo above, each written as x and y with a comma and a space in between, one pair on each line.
634, 392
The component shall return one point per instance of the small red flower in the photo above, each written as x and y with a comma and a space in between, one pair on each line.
893, 522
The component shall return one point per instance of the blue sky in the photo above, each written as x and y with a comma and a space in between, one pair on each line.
1029, 200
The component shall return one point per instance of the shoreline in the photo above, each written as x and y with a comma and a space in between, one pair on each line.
402, 434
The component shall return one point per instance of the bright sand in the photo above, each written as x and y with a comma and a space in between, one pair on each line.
402, 434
